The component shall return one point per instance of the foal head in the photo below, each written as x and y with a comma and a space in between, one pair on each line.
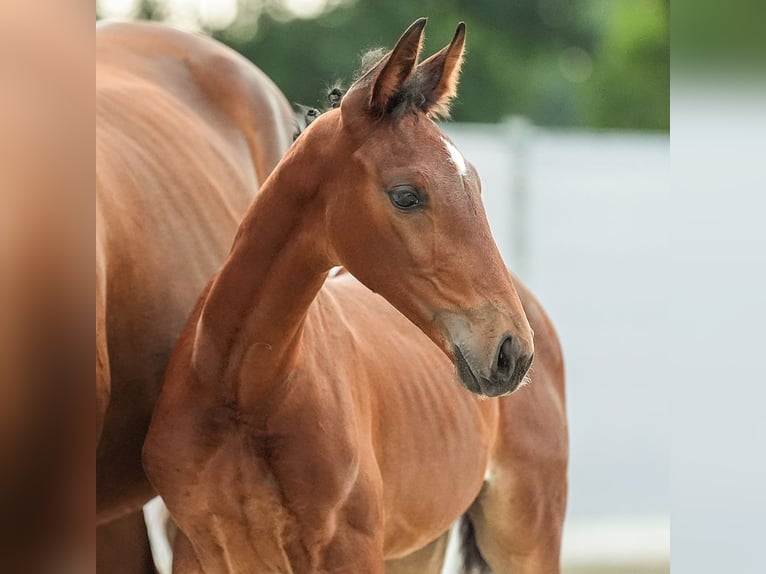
405, 216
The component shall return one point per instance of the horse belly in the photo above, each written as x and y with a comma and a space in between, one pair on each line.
434, 466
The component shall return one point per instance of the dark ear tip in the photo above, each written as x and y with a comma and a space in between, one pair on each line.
417, 25
460, 29
415, 30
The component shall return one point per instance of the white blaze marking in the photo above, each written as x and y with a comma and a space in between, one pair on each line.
456, 157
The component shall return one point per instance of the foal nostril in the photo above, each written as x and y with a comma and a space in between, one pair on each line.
505, 361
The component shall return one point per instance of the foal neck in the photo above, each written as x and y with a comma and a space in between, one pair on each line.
251, 321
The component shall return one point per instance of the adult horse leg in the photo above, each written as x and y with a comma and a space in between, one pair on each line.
427, 560
123, 546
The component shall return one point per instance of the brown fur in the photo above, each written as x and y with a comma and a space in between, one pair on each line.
186, 130
438, 76
312, 425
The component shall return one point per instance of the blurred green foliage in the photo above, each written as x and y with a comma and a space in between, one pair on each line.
590, 63
714, 36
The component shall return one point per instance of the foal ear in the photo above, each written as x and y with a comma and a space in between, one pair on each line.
391, 72
438, 75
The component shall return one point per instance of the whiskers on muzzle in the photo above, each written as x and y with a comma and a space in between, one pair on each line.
493, 386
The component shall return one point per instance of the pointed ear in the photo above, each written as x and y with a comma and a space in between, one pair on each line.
438, 75
390, 73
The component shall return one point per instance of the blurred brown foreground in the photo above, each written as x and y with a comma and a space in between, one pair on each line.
46, 222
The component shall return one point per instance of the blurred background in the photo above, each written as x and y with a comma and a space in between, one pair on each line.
564, 109
585, 63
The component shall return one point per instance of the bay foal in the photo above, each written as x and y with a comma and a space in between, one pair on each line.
311, 425
186, 130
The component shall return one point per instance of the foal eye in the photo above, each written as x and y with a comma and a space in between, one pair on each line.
405, 198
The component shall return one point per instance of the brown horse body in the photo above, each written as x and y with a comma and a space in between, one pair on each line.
307, 425
186, 130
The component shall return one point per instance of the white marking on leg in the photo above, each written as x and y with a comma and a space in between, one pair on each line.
456, 157
156, 516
